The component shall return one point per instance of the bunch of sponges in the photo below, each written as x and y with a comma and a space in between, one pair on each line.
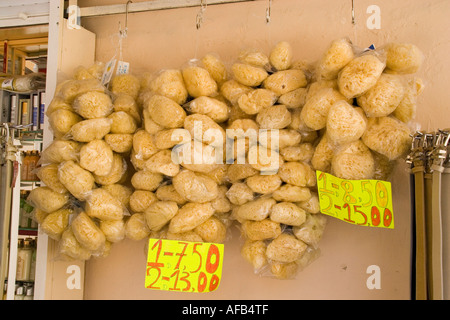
181, 153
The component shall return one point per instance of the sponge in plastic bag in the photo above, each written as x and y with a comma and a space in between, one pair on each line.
69, 90
213, 108
338, 54
97, 157
403, 57
212, 230
261, 230
119, 142
274, 117
312, 230
102, 205
92, 129
93, 104
359, 75
76, 179
55, 223
256, 100
284, 81
285, 248
70, 247
281, 56
384, 97
344, 123
126, 84
248, 75
353, 161
387, 136
114, 230
136, 227
61, 121
46, 199
195, 187
190, 216
49, 176
61, 150
126, 103
170, 83
87, 232
165, 112
199, 82
406, 110
315, 111
215, 67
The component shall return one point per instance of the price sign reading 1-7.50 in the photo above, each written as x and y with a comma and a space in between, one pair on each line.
360, 202
183, 265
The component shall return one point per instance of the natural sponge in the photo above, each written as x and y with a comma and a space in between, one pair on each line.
338, 54
102, 205
126, 84
284, 81
274, 117
76, 179
87, 232
195, 187
92, 129
215, 67
97, 157
281, 56
199, 82
344, 123
256, 100
93, 104
315, 111
353, 161
403, 57
61, 121
388, 136
359, 75
384, 97
170, 83
248, 75
46, 199
165, 112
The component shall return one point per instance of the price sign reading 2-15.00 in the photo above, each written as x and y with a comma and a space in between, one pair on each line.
183, 265
360, 202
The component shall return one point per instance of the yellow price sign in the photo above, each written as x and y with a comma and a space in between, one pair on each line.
360, 202
183, 266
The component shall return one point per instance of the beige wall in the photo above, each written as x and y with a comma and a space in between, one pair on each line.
169, 38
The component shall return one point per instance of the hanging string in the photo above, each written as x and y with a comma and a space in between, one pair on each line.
268, 19
199, 19
355, 26
268, 12
198, 24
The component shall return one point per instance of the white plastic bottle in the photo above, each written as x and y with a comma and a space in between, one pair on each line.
19, 295
30, 294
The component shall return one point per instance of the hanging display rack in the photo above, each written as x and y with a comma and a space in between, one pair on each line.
149, 6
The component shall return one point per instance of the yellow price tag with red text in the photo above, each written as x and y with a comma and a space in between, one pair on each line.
183, 266
360, 202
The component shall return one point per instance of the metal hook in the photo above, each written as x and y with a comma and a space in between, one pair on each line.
353, 12
199, 18
268, 11
123, 33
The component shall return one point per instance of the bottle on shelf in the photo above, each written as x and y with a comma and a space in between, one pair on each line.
24, 255
34, 158
25, 165
29, 294
33, 260
19, 294
25, 211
